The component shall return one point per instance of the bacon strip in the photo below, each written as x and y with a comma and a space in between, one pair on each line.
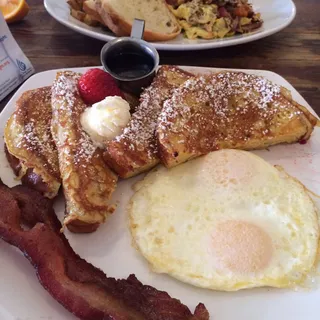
79, 286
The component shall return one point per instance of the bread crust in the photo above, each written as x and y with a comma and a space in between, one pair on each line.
30, 178
87, 181
120, 27
32, 154
92, 12
135, 151
78, 226
222, 115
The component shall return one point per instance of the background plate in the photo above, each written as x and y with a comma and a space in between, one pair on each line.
277, 14
23, 298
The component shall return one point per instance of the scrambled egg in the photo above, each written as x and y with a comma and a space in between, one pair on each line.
199, 20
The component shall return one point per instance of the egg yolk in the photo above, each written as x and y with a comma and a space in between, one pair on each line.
241, 247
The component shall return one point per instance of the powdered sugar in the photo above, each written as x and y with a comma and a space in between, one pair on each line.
67, 107
66, 88
139, 135
228, 106
37, 138
88, 183
32, 121
86, 149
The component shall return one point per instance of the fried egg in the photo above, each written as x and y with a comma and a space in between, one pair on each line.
226, 221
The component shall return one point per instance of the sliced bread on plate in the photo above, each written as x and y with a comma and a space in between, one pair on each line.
119, 15
89, 7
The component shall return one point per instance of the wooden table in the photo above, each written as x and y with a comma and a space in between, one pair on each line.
294, 53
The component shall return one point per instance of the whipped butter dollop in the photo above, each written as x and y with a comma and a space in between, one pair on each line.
106, 119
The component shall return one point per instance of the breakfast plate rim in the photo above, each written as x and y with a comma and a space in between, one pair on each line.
211, 44
42, 79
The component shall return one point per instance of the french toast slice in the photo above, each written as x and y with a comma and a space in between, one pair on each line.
135, 151
29, 147
88, 183
228, 110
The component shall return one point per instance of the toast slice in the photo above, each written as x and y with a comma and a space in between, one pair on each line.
88, 183
135, 151
90, 7
29, 147
228, 110
79, 8
118, 16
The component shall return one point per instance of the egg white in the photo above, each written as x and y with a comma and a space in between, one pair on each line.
226, 221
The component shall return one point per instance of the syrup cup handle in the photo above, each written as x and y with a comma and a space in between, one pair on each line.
137, 29
124, 45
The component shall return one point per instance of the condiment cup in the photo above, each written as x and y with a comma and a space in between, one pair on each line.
131, 61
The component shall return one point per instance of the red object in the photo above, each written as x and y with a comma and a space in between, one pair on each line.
303, 141
242, 11
223, 12
79, 286
96, 84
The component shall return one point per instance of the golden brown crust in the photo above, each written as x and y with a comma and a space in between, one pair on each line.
136, 151
30, 178
89, 7
28, 140
120, 27
228, 110
88, 182
311, 119
78, 226
111, 21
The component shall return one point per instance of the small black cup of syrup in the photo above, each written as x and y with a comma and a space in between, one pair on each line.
131, 61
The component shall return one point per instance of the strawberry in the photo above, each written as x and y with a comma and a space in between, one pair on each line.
95, 85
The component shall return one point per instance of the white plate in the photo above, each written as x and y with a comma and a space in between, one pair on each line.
277, 14
23, 298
